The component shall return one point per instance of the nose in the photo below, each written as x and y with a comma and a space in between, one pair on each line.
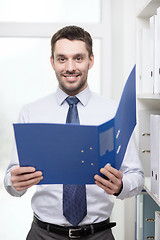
70, 65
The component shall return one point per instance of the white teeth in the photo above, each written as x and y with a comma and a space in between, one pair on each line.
71, 77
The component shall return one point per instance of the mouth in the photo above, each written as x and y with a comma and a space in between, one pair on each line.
71, 77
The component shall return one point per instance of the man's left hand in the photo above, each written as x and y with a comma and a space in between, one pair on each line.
114, 183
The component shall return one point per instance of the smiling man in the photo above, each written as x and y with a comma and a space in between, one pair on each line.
71, 62
73, 211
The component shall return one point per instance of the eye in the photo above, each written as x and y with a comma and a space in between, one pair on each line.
61, 59
79, 59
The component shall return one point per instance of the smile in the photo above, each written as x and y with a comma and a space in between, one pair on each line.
71, 75
71, 78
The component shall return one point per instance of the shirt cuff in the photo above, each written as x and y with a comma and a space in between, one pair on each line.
132, 185
9, 187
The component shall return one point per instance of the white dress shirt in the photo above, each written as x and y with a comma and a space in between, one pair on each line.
93, 109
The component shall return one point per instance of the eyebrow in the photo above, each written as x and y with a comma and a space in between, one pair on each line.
60, 55
75, 55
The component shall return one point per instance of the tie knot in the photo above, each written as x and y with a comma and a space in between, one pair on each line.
72, 100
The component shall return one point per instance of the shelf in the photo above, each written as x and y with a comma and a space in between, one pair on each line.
147, 104
148, 96
147, 187
150, 101
149, 9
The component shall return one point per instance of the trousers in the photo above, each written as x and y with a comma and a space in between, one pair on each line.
37, 233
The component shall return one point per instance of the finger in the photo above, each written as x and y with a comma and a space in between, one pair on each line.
20, 186
103, 181
107, 185
112, 173
104, 187
112, 170
109, 175
115, 179
25, 176
21, 170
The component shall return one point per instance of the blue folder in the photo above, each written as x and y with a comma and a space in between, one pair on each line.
73, 154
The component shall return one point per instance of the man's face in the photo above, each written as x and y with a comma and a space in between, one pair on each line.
71, 64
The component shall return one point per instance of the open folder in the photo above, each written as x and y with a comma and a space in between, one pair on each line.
73, 154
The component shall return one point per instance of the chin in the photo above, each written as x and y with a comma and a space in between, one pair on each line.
73, 88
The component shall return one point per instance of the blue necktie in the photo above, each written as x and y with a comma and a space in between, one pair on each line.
74, 196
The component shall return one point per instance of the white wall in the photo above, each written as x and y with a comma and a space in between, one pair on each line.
123, 43
123, 60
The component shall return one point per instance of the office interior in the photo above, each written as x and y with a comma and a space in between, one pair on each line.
26, 74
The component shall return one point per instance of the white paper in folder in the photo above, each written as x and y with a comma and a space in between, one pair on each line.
157, 225
155, 154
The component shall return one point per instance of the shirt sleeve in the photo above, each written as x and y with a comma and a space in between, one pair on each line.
133, 174
14, 162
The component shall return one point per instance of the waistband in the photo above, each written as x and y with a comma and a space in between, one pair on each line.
75, 232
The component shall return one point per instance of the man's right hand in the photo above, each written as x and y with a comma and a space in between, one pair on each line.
23, 178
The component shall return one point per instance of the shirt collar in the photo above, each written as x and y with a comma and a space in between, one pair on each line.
83, 96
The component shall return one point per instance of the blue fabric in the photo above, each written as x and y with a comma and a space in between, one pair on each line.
74, 196
72, 116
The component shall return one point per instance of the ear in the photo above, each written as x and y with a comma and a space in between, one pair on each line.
52, 62
91, 61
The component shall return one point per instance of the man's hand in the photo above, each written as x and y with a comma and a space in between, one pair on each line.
114, 183
23, 178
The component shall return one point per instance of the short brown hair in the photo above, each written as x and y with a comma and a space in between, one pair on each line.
72, 33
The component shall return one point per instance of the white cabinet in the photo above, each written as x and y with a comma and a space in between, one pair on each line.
148, 102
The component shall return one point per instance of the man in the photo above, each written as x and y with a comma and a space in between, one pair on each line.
71, 59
